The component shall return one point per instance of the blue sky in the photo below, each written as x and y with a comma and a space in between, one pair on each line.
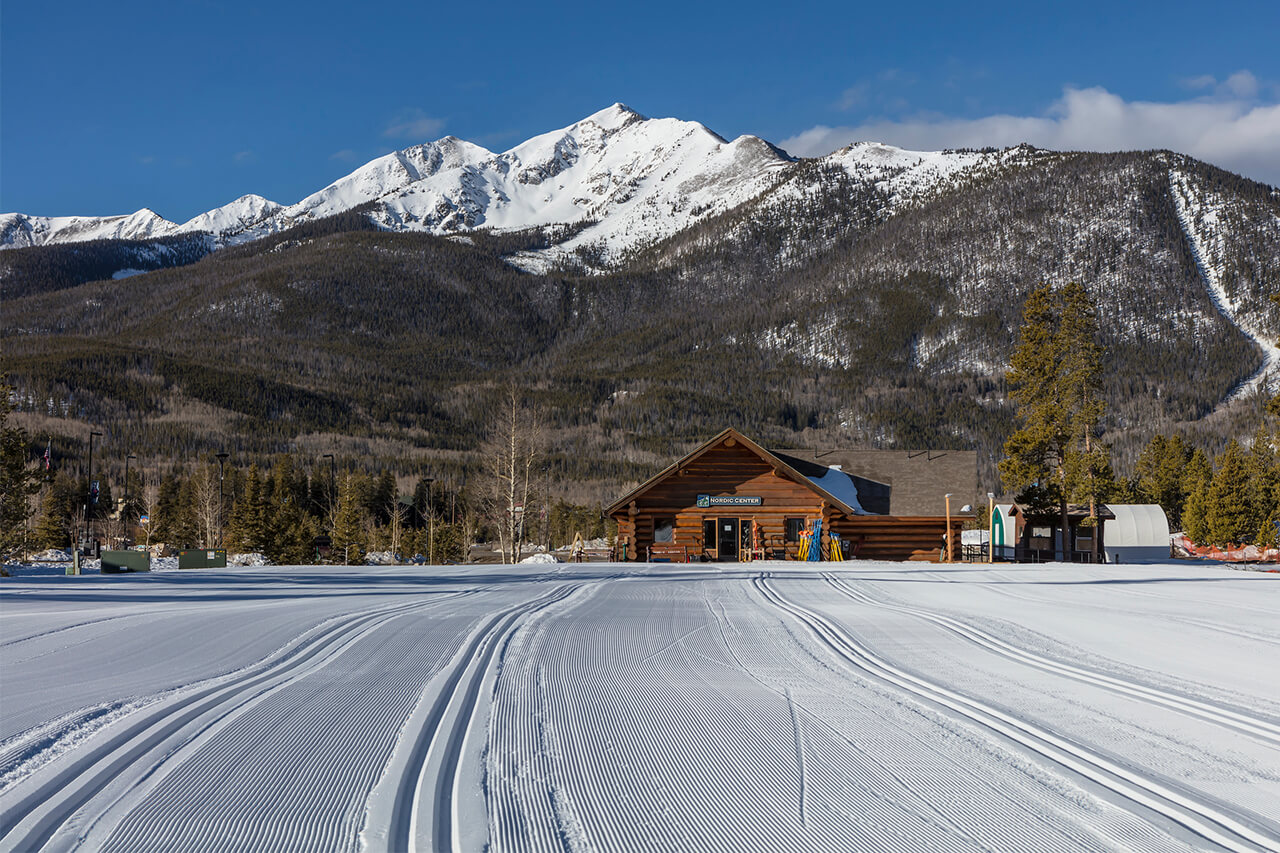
107, 108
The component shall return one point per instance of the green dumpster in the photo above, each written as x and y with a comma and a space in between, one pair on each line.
202, 558
116, 562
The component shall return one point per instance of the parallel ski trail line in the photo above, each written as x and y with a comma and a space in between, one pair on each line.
16, 749
1206, 821
1249, 725
6, 645
423, 812
31, 817
312, 741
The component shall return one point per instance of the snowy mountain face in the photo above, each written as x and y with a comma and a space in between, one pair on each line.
241, 214
19, 231
630, 179
626, 181
1238, 282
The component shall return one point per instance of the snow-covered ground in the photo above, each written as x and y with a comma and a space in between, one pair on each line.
772, 706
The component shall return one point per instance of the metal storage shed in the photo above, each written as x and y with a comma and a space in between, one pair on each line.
1139, 534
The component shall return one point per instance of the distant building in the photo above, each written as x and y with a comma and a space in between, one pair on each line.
1021, 534
1138, 534
901, 482
731, 499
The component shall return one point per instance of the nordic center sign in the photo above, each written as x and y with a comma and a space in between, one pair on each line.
707, 501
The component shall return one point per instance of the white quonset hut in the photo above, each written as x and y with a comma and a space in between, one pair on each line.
1138, 534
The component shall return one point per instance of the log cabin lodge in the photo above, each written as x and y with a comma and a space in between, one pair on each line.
731, 500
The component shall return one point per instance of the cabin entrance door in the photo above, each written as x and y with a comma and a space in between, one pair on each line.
728, 550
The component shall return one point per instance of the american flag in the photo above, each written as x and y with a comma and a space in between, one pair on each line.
48, 455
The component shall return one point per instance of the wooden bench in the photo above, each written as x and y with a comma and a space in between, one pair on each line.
594, 555
666, 552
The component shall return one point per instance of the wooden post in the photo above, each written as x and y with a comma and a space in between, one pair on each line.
991, 527
950, 555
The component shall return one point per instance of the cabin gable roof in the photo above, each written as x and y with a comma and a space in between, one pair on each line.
723, 438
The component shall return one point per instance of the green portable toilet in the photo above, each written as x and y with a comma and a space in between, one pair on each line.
202, 558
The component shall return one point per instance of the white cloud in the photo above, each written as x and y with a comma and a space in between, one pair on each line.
1242, 84
1231, 129
413, 124
346, 155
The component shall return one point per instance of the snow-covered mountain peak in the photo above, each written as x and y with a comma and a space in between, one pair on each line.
455, 152
614, 117
245, 211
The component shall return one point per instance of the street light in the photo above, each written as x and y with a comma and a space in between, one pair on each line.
124, 513
222, 457
127, 459
430, 519
92, 496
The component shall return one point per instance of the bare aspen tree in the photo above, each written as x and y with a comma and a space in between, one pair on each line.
395, 525
206, 503
511, 455
150, 503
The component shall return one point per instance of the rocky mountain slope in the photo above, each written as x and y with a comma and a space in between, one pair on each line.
653, 282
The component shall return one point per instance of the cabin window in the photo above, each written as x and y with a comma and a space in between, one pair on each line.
663, 528
1041, 538
1084, 540
709, 533
794, 527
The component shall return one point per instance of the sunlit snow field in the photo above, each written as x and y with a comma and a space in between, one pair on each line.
770, 706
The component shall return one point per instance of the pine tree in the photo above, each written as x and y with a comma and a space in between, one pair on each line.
349, 537
1160, 476
1228, 512
1195, 483
381, 498
247, 526
290, 530
1263, 468
185, 523
164, 521
18, 479
1054, 379
53, 527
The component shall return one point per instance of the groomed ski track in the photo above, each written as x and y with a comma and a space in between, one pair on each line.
772, 706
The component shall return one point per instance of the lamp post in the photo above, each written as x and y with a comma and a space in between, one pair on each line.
429, 517
124, 513
92, 496
948, 533
222, 458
